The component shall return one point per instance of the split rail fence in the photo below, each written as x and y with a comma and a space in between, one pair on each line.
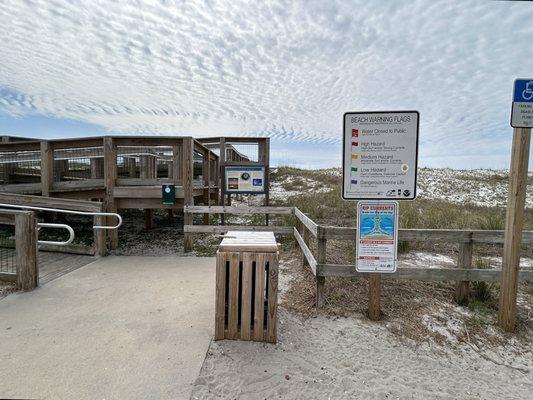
306, 230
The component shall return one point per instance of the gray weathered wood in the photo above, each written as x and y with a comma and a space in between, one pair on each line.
424, 274
514, 222
187, 182
50, 202
306, 221
321, 259
110, 175
283, 230
462, 289
47, 168
238, 210
433, 235
374, 296
306, 251
26, 250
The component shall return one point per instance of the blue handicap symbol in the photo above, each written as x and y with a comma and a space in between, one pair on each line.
523, 90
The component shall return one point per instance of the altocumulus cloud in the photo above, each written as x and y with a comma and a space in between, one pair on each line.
288, 69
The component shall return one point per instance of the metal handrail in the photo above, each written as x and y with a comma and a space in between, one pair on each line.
56, 226
93, 213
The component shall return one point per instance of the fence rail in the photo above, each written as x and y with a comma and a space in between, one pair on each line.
306, 228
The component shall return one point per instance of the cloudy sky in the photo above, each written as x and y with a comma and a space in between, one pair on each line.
286, 69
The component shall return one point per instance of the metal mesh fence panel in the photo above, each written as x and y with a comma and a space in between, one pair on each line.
78, 164
20, 167
7, 249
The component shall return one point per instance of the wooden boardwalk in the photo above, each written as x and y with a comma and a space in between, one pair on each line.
53, 265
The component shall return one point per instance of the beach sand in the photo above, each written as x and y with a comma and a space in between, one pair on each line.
348, 358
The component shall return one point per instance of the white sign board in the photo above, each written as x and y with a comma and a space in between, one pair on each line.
377, 236
244, 179
380, 155
522, 110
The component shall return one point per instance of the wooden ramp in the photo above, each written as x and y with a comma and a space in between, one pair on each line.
53, 265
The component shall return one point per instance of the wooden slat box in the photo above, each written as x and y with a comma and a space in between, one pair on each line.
247, 287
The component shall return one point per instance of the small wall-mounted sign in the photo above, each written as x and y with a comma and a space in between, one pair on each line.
168, 195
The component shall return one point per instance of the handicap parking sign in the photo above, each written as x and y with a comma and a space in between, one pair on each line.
522, 109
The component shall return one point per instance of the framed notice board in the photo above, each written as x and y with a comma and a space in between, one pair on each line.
244, 179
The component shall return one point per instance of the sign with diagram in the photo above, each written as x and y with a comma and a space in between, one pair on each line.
380, 155
244, 179
377, 236
522, 109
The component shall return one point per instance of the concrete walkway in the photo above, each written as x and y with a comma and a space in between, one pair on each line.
118, 328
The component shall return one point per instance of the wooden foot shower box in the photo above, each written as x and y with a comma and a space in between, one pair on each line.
247, 287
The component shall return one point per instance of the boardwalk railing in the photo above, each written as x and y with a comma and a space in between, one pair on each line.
306, 229
24, 270
99, 246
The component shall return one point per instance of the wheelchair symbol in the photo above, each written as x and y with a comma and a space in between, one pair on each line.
527, 93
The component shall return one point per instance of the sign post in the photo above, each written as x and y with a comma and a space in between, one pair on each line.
380, 157
522, 121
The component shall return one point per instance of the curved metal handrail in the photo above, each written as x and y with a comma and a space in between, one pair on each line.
56, 226
93, 213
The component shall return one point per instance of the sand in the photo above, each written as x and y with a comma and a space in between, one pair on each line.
347, 358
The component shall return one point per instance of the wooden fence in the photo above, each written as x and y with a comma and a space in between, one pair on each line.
27, 274
306, 229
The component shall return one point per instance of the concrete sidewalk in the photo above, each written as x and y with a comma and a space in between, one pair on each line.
118, 328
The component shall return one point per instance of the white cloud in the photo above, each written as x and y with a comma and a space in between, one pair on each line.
283, 68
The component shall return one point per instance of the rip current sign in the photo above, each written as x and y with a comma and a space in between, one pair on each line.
380, 155
168, 195
522, 109
377, 236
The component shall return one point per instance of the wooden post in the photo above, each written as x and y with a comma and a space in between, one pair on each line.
264, 158
462, 289
97, 168
26, 251
47, 168
321, 259
100, 248
176, 164
514, 223
110, 175
222, 175
306, 236
206, 171
374, 296
187, 181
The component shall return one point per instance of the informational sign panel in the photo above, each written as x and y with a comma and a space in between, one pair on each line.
244, 179
522, 109
380, 155
168, 195
377, 236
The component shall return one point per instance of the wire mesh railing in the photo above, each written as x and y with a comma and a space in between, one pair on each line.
7, 249
78, 163
144, 161
20, 167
